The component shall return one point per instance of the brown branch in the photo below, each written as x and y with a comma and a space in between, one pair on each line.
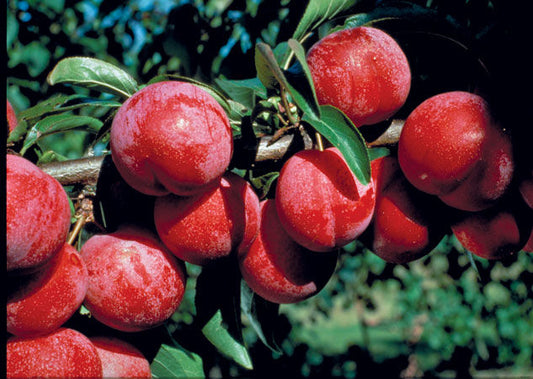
390, 136
85, 171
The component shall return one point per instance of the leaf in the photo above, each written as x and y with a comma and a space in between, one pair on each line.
262, 316
217, 333
219, 97
412, 13
93, 73
263, 183
305, 86
19, 132
472, 262
51, 156
301, 91
267, 66
217, 304
59, 123
243, 91
46, 106
176, 362
340, 131
319, 11
63, 103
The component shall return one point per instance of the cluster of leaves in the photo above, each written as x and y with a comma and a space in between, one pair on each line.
368, 311
193, 38
436, 316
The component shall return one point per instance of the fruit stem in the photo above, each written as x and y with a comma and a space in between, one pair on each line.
287, 106
77, 228
319, 141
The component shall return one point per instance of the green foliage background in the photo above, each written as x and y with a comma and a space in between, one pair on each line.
442, 315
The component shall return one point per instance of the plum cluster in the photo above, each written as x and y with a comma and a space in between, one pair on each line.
49, 281
453, 168
453, 171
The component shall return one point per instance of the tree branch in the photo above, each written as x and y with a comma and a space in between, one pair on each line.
85, 171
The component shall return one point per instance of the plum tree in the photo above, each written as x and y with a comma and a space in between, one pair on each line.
451, 147
37, 216
280, 270
171, 137
362, 71
49, 297
120, 359
232, 175
64, 353
404, 225
135, 283
203, 228
320, 202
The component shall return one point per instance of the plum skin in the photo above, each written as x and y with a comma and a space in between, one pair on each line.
452, 148
12, 120
62, 353
37, 216
404, 226
135, 283
497, 232
120, 359
204, 228
362, 71
50, 297
171, 137
277, 268
320, 202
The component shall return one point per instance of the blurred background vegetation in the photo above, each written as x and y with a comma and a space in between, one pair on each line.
444, 315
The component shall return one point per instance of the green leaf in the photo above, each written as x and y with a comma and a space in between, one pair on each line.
263, 183
176, 362
219, 97
472, 262
51, 156
303, 87
217, 333
410, 12
340, 131
59, 123
93, 73
243, 91
299, 86
218, 316
262, 315
46, 106
319, 11
63, 103
267, 66
19, 132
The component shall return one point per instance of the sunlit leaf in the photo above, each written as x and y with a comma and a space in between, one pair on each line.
340, 131
45, 106
305, 84
59, 123
218, 310
243, 91
93, 73
50, 156
217, 333
295, 81
267, 66
176, 362
263, 183
319, 11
